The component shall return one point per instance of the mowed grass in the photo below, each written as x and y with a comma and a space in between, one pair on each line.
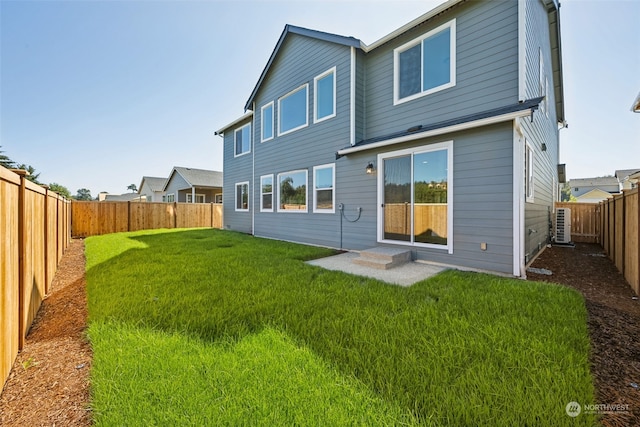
210, 327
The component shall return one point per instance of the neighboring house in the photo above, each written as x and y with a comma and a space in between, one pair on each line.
193, 186
627, 178
608, 184
126, 197
441, 138
152, 188
594, 196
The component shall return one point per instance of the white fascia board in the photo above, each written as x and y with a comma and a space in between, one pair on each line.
436, 132
419, 20
233, 123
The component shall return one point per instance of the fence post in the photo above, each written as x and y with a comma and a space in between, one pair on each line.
22, 254
46, 239
175, 214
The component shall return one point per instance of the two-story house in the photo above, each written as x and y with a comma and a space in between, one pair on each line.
441, 137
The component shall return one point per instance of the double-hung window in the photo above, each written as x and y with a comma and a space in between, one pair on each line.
324, 89
293, 110
242, 140
425, 65
267, 122
323, 188
266, 193
242, 196
292, 191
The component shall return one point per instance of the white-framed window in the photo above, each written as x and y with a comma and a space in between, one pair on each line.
242, 196
293, 110
266, 193
292, 191
528, 172
218, 198
324, 90
199, 198
266, 117
324, 195
415, 196
171, 198
426, 64
242, 140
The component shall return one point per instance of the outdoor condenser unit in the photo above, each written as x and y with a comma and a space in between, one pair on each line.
563, 225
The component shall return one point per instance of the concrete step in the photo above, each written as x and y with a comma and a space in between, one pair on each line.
383, 258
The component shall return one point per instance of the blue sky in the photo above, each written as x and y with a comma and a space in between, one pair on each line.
96, 94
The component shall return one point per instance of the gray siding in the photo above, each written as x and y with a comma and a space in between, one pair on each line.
175, 184
486, 70
236, 170
300, 60
544, 129
482, 198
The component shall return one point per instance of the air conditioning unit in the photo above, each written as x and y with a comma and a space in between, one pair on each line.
563, 225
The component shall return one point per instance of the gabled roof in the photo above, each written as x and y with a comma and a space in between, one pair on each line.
126, 197
594, 182
291, 29
622, 174
424, 131
595, 194
154, 183
196, 177
235, 122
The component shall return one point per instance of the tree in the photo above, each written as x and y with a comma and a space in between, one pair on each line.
60, 189
83, 194
32, 175
6, 161
133, 188
565, 193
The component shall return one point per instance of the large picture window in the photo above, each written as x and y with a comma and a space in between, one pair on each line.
415, 195
267, 122
323, 188
266, 193
293, 110
324, 89
425, 65
292, 191
242, 140
242, 196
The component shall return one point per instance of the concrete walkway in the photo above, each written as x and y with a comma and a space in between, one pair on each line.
404, 275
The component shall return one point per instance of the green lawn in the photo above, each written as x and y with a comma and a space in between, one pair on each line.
210, 327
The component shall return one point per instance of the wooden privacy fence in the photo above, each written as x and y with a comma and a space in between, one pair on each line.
585, 221
96, 218
620, 234
34, 233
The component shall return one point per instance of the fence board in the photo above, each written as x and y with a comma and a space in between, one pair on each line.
97, 218
585, 221
632, 237
31, 243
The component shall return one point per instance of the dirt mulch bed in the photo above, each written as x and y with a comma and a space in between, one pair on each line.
614, 324
49, 382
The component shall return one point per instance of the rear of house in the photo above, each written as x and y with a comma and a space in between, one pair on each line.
441, 138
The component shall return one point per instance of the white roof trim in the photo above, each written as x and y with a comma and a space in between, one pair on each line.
435, 132
235, 122
419, 20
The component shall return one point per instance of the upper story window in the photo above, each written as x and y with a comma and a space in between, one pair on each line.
324, 89
425, 65
267, 122
242, 140
293, 110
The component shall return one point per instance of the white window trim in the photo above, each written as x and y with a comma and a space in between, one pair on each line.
306, 117
306, 178
333, 188
446, 145
235, 197
198, 195
262, 209
452, 65
172, 196
273, 131
235, 133
315, 95
529, 187
216, 197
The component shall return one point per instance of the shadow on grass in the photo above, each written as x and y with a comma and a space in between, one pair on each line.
457, 349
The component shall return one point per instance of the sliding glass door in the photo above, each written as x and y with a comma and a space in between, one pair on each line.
415, 196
